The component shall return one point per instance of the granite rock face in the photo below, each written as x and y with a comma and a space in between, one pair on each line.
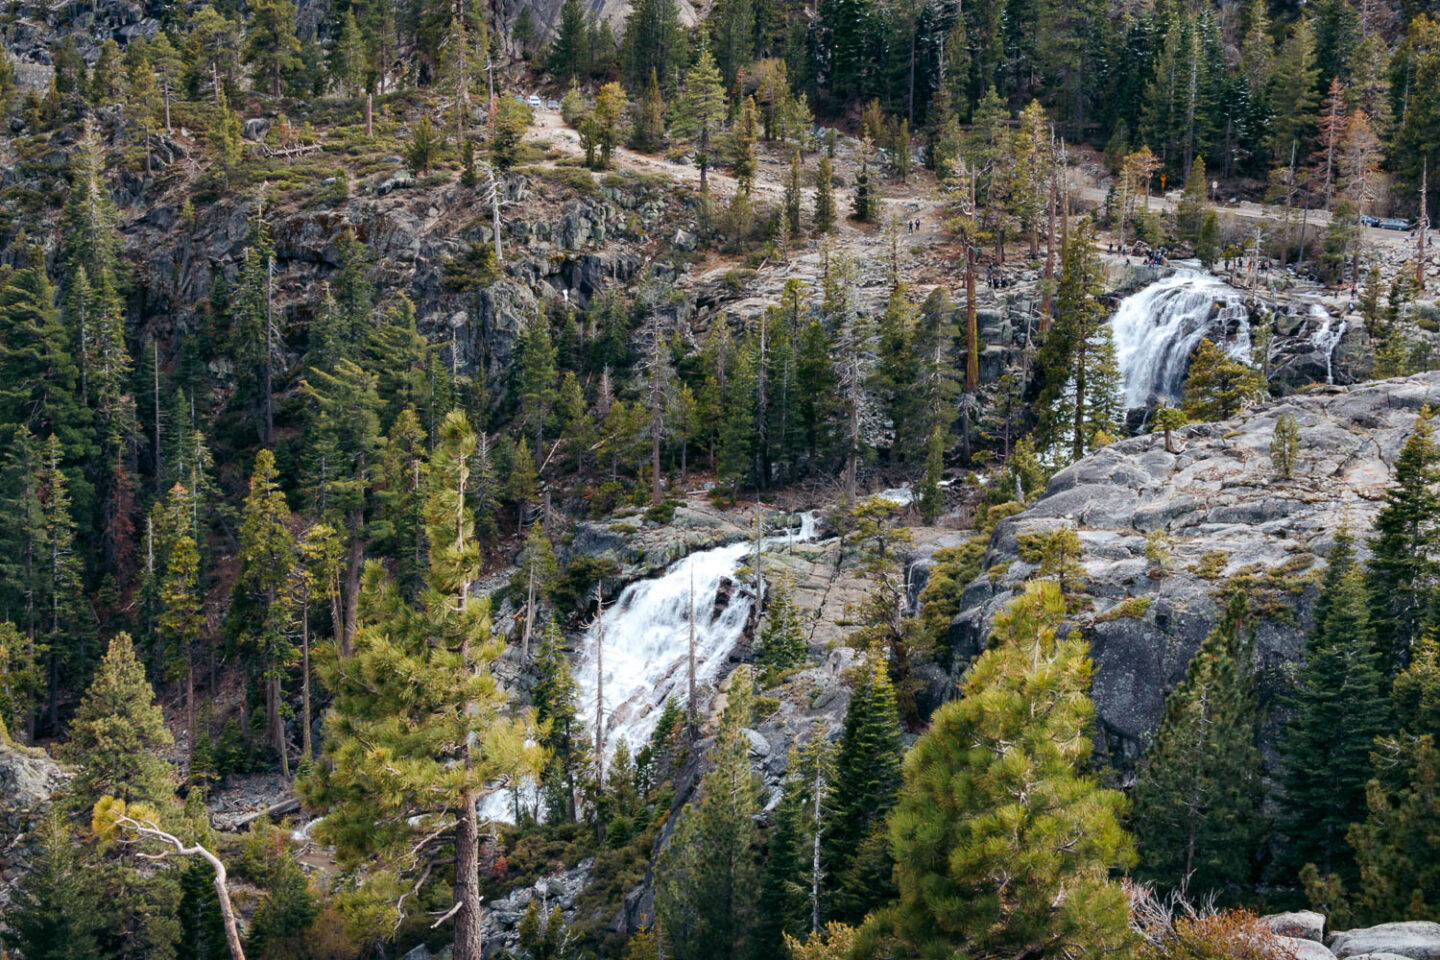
1222, 512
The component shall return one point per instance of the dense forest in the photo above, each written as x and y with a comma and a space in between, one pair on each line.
361, 362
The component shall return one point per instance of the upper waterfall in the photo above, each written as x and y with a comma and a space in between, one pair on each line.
1158, 328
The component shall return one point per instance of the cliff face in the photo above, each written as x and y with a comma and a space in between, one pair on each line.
1224, 514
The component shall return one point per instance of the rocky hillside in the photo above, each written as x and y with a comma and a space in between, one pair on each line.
1219, 509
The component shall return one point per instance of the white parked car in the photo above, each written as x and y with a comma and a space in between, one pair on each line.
533, 101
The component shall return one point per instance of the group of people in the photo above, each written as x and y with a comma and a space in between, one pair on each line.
912, 226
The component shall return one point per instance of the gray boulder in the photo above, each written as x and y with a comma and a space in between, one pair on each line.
1416, 939
1301, 924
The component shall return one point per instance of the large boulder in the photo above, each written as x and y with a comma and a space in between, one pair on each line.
1222, 511
1416, 939
1301, 924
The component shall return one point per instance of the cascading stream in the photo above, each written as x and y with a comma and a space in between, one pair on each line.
1157, 329
646, 646
647, 635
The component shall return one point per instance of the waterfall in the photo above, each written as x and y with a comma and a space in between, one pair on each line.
647, 636
1326, 337
1157, 329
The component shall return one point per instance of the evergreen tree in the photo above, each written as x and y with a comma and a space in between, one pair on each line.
272, 47
1218, 386
1338, 709
825, 197
1003, 846
781, 643
1078, 382
555, 699
648, 133
1396, 846
52, 915
1401, 571
655, 42
1197, 800
181, 625
257, 617
706, 879
792, 884
118, 736
39, 376
700, 110
866, 781
400, 765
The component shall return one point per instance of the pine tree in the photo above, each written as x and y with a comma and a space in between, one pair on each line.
555, 699
1003, 845
345, 409
700, 110
825, 197
59, 596
781, 643
181, 625
1402, 573
894, 379
1338, 709
866, 781
1285, 447
39, 377
118, 736
273, 48
535, 379
791, 206
569, 57
1396, 846
706, 879
648, 134
286, 911
400, 765
791, 893
1218, 386
257, 616
52, 915
654, 42
1078, 383
1197, 801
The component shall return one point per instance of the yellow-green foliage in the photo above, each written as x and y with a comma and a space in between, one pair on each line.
1133, 608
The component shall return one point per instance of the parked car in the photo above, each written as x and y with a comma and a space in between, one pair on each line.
533, 102
552, 104
1394, 223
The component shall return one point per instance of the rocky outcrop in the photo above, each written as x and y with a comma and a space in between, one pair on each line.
28, 781
1416, 939
503, 916
1221, 512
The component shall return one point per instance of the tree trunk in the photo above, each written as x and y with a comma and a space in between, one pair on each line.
468, 941
972, 325
352, 587
305, 744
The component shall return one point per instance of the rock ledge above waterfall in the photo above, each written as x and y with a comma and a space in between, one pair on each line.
1225, 513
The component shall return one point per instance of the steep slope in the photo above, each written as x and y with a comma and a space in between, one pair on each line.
1225, 517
